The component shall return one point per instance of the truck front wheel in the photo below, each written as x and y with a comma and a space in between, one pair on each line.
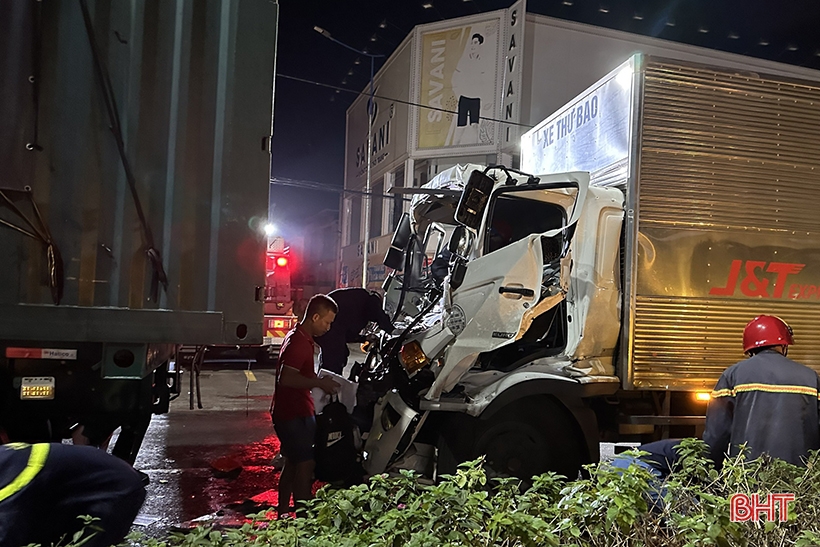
529, 437
524, 439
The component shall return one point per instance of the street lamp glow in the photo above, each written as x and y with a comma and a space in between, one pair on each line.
269, 229
624, 77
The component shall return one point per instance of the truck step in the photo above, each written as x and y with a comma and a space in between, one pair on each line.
664, 420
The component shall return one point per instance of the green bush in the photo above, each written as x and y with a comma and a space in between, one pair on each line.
608, 508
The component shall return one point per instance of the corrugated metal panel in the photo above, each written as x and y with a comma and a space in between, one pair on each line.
685, 343
737, 156
614, 175
192, 82
722, 141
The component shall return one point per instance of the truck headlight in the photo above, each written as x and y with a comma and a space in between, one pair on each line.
412, 357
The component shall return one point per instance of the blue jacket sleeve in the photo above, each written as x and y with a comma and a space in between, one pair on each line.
719, 414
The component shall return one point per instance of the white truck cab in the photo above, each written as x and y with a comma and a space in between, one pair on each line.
512, 307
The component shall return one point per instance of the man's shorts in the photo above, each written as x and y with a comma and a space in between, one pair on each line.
296, 437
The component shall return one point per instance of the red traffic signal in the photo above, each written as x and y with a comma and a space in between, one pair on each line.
282, 261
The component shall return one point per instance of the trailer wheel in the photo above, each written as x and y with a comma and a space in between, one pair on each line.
524, 439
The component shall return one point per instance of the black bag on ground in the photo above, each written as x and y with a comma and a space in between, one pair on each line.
335, 452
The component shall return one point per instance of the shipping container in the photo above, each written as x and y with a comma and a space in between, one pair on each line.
134, 175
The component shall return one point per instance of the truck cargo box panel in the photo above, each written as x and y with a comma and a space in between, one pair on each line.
192, 94
726, 219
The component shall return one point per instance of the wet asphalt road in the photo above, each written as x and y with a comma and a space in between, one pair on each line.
208, 461
213, 465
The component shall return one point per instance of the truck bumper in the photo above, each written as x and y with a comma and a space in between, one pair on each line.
395, 424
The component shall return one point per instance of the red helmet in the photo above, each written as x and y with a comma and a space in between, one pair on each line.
766, 330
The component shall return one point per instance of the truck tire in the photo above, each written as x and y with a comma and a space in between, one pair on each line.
454, 442
524, 439
530, 437
130, 438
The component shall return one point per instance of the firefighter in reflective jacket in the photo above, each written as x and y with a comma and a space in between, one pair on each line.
45, 487
767, 401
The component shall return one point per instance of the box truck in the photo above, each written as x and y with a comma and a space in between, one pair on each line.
598, 292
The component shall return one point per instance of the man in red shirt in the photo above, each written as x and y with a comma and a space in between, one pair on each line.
292, 406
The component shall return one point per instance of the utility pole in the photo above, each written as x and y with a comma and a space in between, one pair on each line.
366, 203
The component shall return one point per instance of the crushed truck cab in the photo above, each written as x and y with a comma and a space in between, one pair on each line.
513, 306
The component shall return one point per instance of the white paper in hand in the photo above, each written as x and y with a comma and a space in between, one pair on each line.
347, 392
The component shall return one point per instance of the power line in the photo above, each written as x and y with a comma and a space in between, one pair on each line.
400, 101
322, 187
313, 185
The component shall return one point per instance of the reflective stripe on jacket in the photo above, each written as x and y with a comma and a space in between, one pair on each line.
38, 454
768, 402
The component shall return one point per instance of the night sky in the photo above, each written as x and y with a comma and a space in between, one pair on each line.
309, 121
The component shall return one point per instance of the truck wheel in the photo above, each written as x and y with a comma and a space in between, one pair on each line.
455, 436
130, 438
528, 438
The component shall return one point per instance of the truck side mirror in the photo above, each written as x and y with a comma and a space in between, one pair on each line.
394, 259
460, 242
474, 199
459, 269
395, 254
401, 237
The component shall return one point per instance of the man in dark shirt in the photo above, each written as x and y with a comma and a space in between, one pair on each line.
767, 401
441, 266
357, 308
292, 406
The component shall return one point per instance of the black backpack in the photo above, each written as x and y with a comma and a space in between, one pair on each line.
335, 453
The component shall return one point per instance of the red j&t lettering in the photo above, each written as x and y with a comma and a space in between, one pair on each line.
754, 282
729, 289
783, 270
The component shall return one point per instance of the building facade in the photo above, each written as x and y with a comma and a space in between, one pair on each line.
464, 91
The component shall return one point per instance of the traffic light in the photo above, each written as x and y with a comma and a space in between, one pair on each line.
280, 262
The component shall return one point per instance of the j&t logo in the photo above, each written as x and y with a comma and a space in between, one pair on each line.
757, 278
744, 507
